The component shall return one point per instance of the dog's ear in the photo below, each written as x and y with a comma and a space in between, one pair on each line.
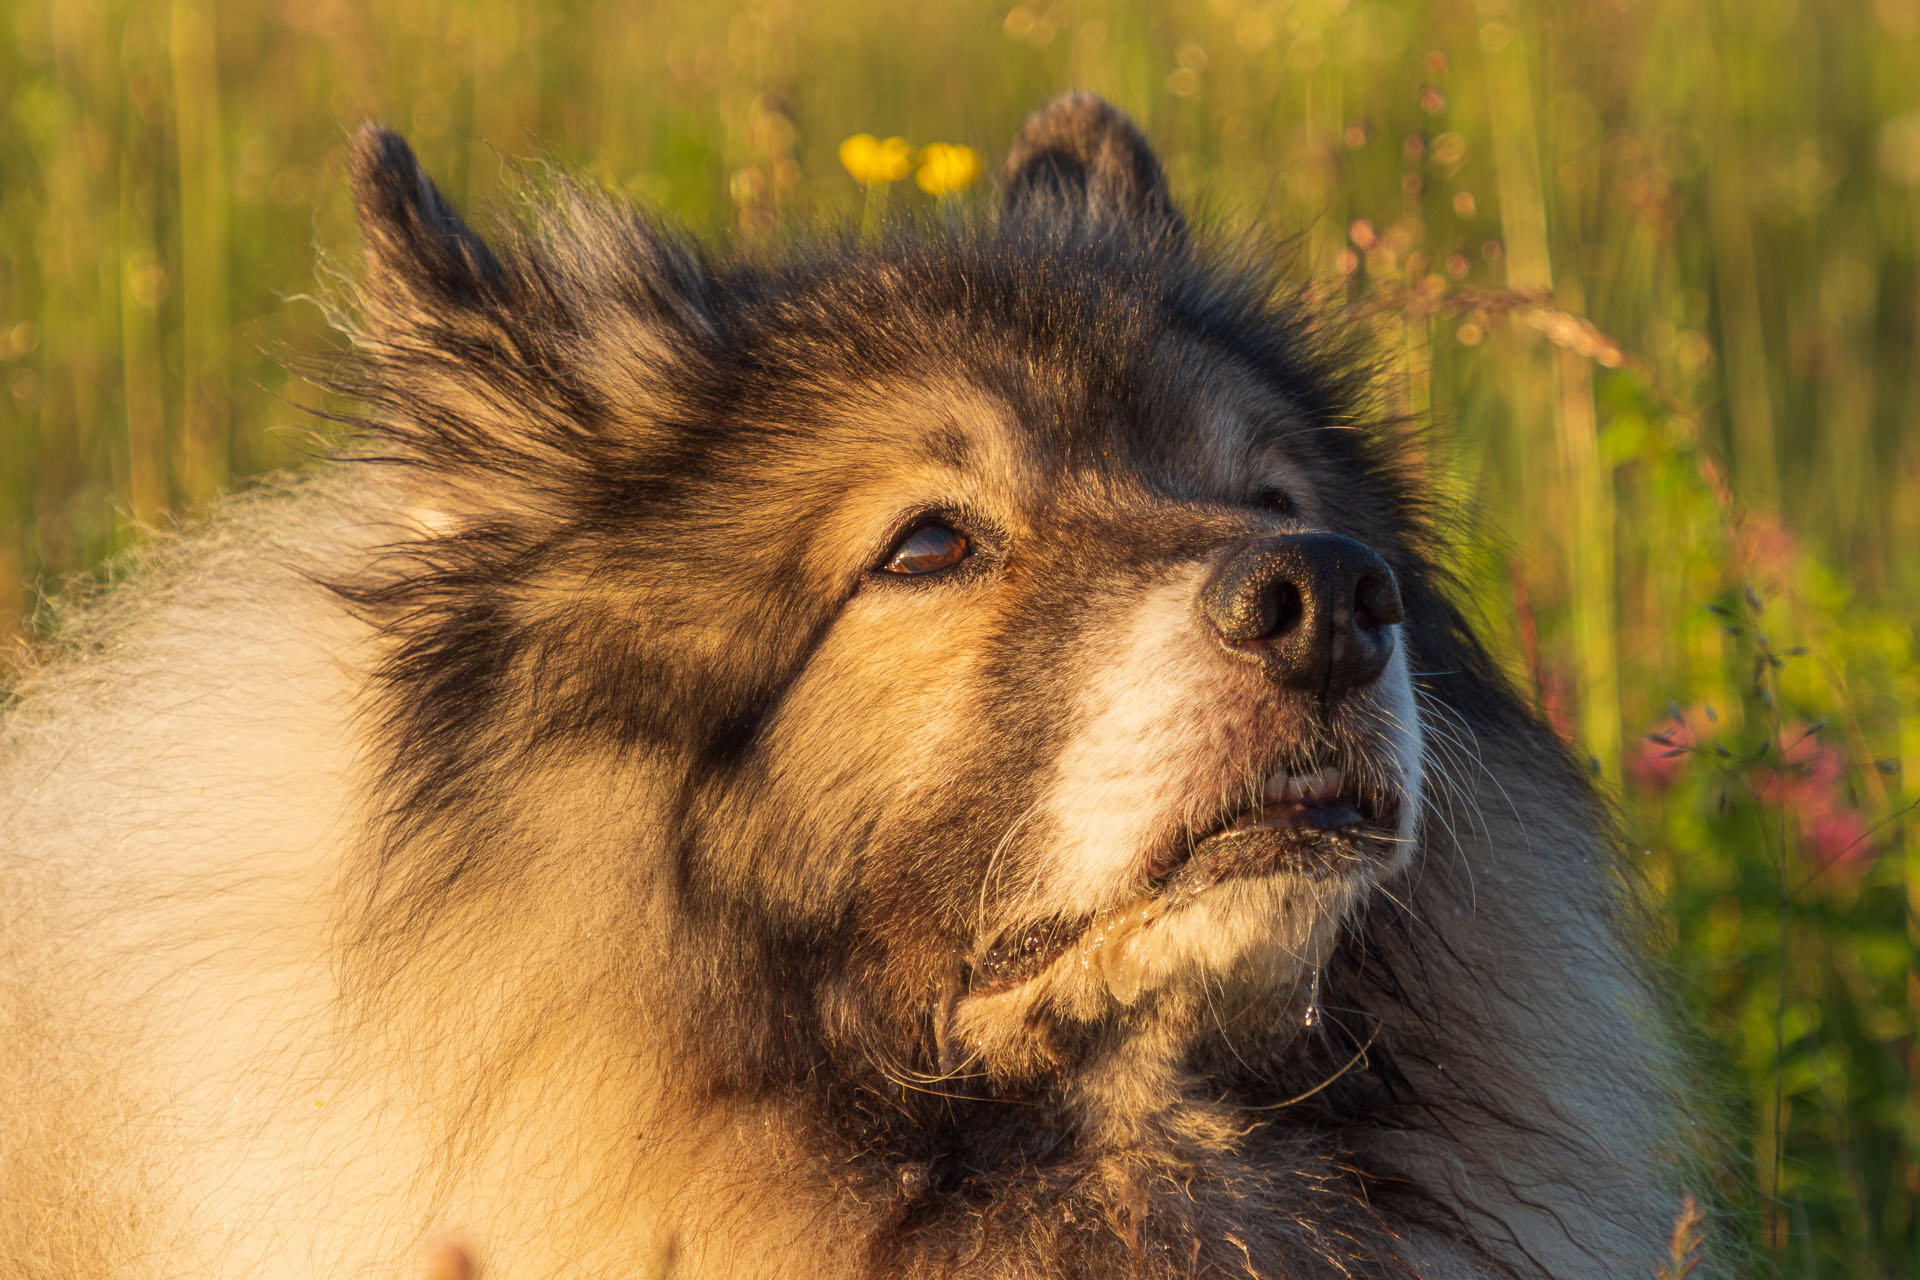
512, 369
1079, 162
420, 255
581, 262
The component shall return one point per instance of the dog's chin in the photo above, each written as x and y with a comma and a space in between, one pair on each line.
1240, 920
1245, 941
1281, 855
1232, 910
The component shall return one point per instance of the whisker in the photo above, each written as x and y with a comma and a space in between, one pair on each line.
993, 862
1359, 1055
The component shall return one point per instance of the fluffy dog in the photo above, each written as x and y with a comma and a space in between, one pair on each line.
940, 757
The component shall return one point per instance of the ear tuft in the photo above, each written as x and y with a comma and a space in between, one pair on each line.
415, 240
1079, 161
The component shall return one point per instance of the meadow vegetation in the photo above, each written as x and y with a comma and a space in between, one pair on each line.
1651, 270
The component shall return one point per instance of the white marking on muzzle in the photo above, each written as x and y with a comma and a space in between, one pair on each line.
1141, 733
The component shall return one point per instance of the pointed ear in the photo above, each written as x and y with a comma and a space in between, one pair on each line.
420, 256
500, 370
1080, 162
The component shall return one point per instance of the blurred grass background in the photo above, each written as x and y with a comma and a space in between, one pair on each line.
1653, 269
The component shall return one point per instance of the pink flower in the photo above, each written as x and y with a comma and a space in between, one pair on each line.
1838, 839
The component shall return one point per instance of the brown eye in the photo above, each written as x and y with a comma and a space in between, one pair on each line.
928, 549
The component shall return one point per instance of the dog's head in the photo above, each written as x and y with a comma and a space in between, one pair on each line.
991, 633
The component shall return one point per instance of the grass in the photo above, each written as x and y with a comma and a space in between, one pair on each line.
1653, 270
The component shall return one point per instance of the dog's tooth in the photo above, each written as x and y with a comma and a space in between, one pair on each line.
1322, 783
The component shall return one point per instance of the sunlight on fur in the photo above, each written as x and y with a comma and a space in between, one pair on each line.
944, 755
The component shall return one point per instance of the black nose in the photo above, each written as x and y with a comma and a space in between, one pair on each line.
1315, 609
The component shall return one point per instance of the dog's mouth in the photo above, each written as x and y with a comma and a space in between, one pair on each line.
1313, 819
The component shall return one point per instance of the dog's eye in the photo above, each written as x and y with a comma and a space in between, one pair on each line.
1275, 500
931, 547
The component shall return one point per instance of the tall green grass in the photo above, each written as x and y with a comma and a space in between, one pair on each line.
1653, 271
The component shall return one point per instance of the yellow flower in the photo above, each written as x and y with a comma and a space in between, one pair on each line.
876, 161
946, 168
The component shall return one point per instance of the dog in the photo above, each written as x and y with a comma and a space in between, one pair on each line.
946, 754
